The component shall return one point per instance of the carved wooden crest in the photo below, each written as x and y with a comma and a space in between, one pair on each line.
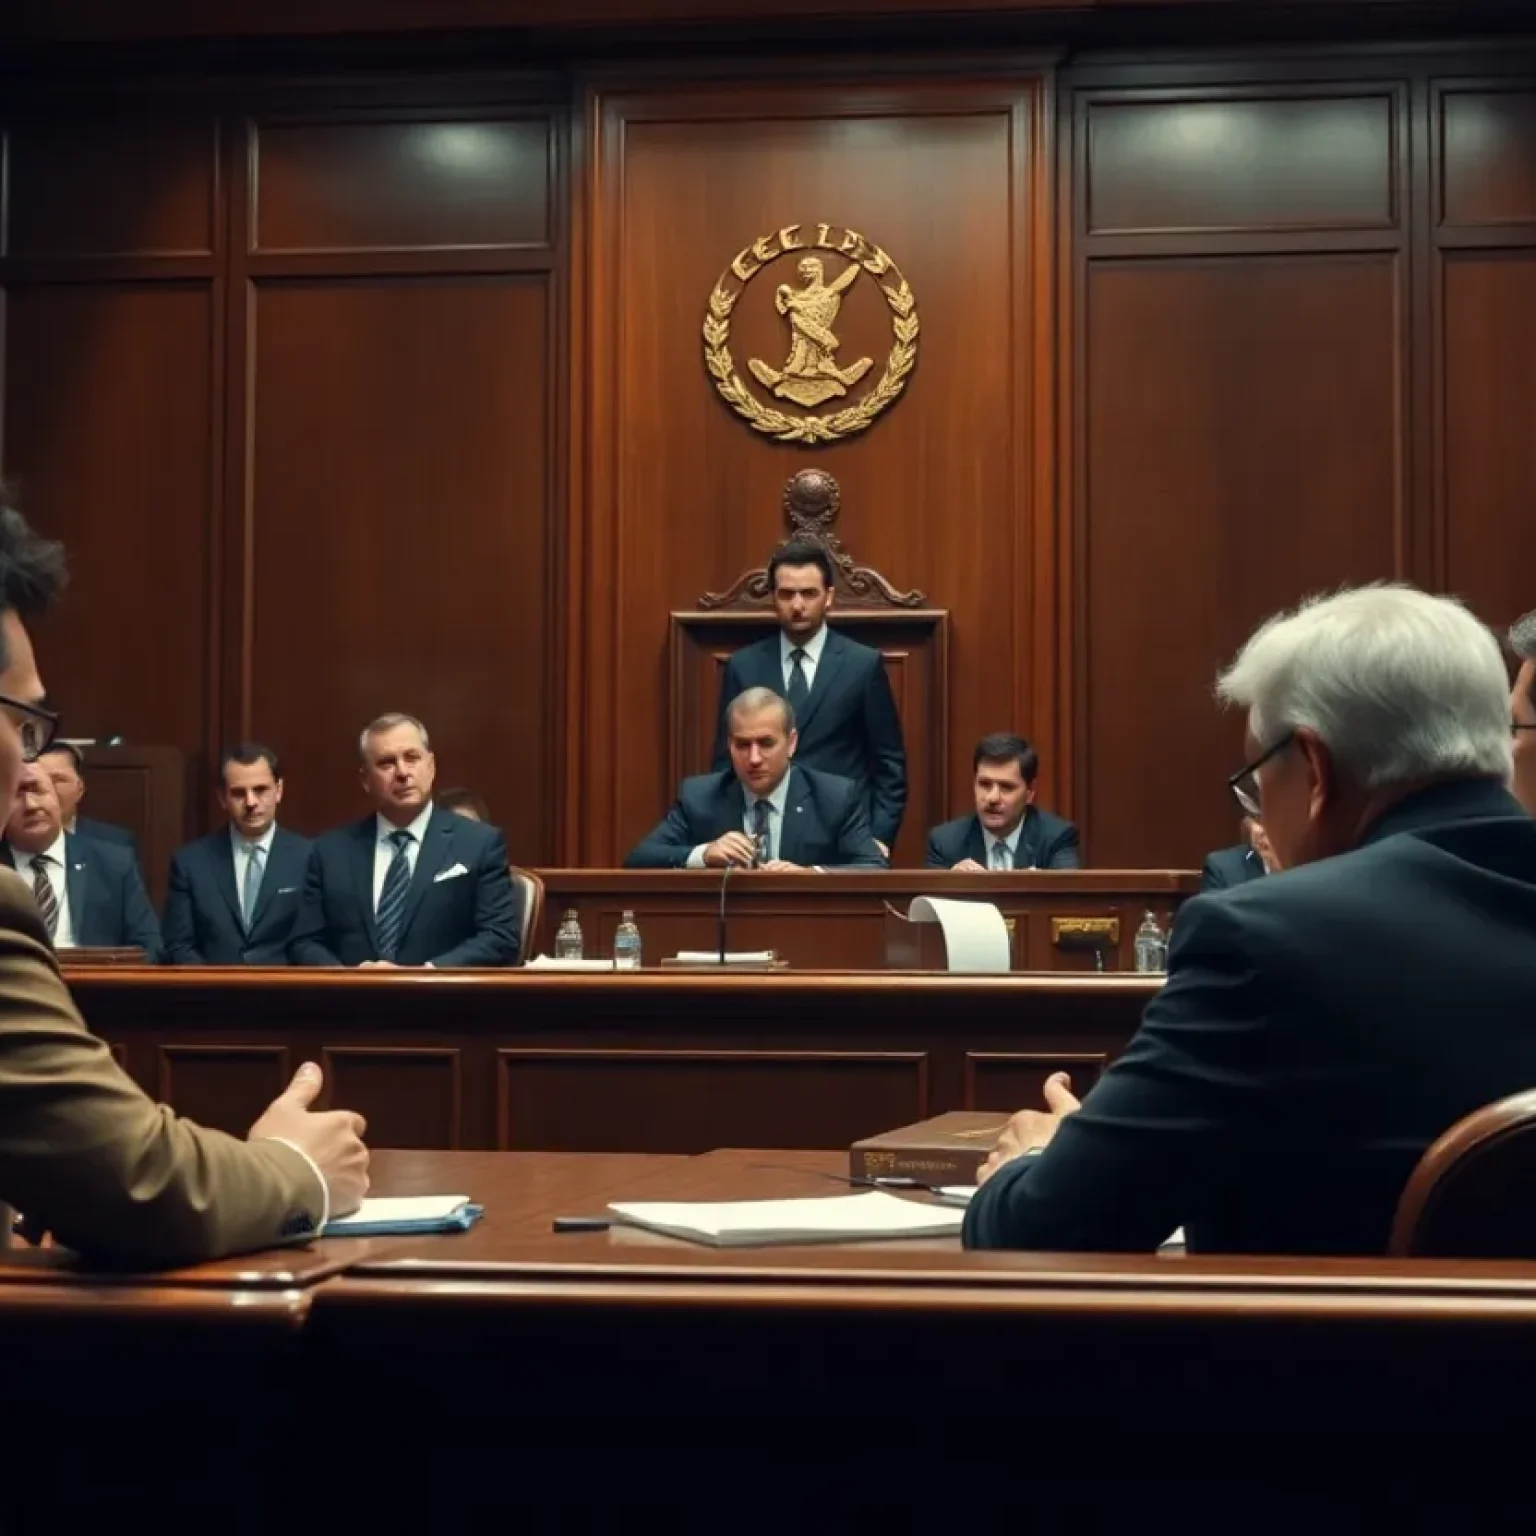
812, 501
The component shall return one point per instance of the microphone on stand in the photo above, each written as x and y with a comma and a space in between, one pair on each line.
725, 881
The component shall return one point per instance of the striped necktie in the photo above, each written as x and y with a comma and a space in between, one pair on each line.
390, 918
42, 892
761, 853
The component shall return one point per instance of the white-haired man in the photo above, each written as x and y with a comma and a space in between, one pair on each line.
1319, 1030
1522, 709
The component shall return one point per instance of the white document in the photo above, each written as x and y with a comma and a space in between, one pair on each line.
549, 963
732, 957
829, 1219
975, 935
396, 1208
960, 1194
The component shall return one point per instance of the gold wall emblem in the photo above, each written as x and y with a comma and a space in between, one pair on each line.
811, 375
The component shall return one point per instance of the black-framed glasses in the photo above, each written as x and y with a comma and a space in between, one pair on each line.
36, 726
1516, 726
1244, 784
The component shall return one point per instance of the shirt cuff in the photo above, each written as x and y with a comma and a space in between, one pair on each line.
314, 1167
696, 858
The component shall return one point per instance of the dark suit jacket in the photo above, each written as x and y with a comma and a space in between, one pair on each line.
1230, 866
202, 908
1317, 1031
848, 725
1045, 842
824, 822
108, 905
104, 832
467, 919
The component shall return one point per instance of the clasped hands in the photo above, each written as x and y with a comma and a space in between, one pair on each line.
737, 848
1032, 1127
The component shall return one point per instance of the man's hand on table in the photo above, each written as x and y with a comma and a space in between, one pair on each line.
1032, 1127
331, 1139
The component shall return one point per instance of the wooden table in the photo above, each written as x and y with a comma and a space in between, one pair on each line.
654, 1062
838, 921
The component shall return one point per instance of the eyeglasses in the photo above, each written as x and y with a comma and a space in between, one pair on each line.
1516, 726
1244, 784
36, 726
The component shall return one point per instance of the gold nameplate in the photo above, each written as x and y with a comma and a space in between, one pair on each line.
1084, 932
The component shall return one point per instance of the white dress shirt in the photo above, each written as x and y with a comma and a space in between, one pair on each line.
1011, 842
384, 850
775, 800
57, 854
809, 662
241, 847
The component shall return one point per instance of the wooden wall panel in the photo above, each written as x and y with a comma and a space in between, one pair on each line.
108, 430
398, 513
684, 495
402, 185
1488, 147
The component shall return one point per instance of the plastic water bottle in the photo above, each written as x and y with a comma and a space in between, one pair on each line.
568, 942
1151, 946
626, 944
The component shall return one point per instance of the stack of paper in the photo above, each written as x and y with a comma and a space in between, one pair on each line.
732, 957
833, 1219
392, 1216
549, 963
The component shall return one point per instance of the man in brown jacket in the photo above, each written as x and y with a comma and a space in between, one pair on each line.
84, 1154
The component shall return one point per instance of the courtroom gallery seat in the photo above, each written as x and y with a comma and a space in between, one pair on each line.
1473, 1194
530, 894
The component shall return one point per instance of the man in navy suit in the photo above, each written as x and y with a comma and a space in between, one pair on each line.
63, 764
765, 812
844, 710
1008, 830
412, 884
1251, 859
235, 894
1316, 1033
90, 894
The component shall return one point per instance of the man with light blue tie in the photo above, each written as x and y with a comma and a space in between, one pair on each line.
234, 894
412, 884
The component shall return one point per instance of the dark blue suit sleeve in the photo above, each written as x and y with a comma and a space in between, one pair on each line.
306, 945
1064, 852
1155, 1141
936, 858
667, 845
494, 941
888, 768
180, 930
855, 842
1212, 876
141, 928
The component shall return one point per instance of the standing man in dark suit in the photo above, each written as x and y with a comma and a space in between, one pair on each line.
1250, 859
412, 884
1522, 709
63, 764
90, 894
1317, 1032
765, 812
1008, 830
838, 690
235, 894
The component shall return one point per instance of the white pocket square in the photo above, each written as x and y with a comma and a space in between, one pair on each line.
286, 890
449, 874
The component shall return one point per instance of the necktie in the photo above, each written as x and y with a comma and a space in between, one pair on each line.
1000, 856
397, 881
799, 690
251, 889
761, 853
42, 892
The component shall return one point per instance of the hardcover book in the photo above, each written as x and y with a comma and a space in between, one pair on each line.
948, 1149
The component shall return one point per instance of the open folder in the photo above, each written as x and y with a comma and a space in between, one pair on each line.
402, 1215
823, 1219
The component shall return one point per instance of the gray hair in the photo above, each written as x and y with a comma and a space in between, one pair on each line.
388, 723
1522, 637
1400, 685
751, 699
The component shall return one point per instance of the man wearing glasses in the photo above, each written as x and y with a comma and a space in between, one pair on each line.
83, 1153
1522, 709
1316, 1032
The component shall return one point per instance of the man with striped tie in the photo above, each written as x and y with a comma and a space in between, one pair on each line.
412, 884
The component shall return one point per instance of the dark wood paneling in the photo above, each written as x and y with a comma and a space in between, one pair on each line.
137, 186
1243, 449
223, 1086
1489, 308
410, 1097
108, 428
683, 495
1241, 163
400, 510
1488, 166
1010, 1080
367, 186
703, 1098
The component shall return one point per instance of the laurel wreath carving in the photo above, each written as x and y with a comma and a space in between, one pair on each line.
782, 425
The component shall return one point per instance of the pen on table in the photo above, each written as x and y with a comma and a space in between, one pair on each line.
581, 1224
